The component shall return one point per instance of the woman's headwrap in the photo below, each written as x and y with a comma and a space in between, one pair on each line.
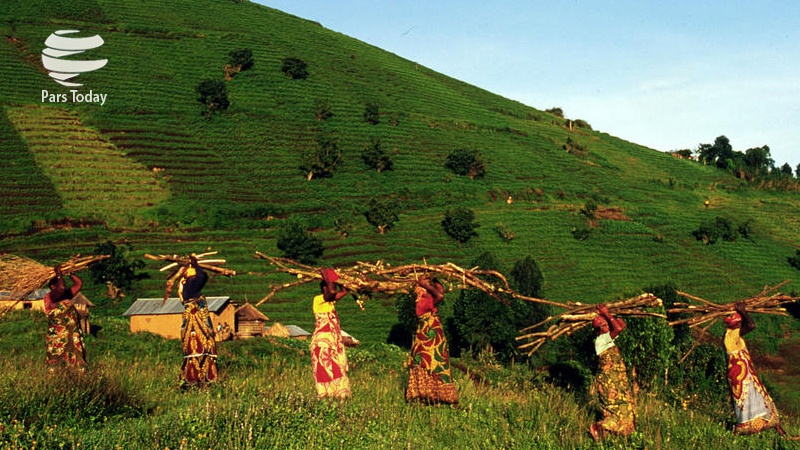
734, 320
329, 275
598, 321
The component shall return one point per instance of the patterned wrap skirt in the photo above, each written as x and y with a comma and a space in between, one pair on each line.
64, 340
197, 341
614, 392
429, 379
755, 411
328, 357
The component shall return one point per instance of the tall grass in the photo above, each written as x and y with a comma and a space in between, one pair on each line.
265, 398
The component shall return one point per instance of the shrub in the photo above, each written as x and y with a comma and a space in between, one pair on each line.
323, 160
406, 311
214, 95
646, 345
322, 109
794, 261
581, 232
382, 213
343, 225
482, 321
375, 157
505, 234
294, 68
580, 123
575, 148
527, 279
467, 162
372, 113
712, 230
556, 111
459, 224
119, 271
241, 58
298, 244
745, 228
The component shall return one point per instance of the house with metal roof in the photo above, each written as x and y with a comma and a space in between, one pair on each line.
164, 317
33, 301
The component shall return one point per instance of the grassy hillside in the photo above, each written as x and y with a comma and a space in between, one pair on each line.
149, 168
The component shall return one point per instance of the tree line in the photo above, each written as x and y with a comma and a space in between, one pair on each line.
753, 164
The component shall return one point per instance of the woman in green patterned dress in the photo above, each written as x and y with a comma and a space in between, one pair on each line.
64, 340
612, 386
429, 379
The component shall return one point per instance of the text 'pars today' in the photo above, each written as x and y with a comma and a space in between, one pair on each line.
74, 96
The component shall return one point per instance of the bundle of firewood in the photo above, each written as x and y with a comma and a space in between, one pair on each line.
365, 279
177, 264
21, 276
704, 312
580, 315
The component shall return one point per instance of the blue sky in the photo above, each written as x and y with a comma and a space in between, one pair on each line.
668, 75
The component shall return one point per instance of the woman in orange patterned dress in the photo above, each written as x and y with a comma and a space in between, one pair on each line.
328, 358
429, 379
612, 386
755, 411
64, 340
197, 333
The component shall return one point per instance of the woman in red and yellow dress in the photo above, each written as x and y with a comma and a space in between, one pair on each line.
429, 378
64, 340
755, 411
328, 357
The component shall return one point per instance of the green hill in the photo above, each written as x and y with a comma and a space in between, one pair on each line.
149, 167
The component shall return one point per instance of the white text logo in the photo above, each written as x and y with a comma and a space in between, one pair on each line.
60, 46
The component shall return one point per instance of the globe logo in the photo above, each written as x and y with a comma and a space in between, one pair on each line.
59, 45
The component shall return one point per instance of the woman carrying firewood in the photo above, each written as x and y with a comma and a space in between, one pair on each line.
755, 411
64, 340
197, 333
328, 358
429, 379
612, 385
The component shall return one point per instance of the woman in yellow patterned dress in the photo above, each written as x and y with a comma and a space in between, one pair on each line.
612, 386
429, 379
64, 340
755, 411
197, 333
328, 357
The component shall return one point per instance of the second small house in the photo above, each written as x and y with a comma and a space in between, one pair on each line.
165, 317
249, 322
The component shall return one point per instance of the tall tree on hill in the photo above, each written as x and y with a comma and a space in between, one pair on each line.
466, 161
758, 159
119, 271
322, 161
294, 68
481, 322
527, 279
382, 213
297, 243
459, 224
720, 153
213, 94
375, 157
